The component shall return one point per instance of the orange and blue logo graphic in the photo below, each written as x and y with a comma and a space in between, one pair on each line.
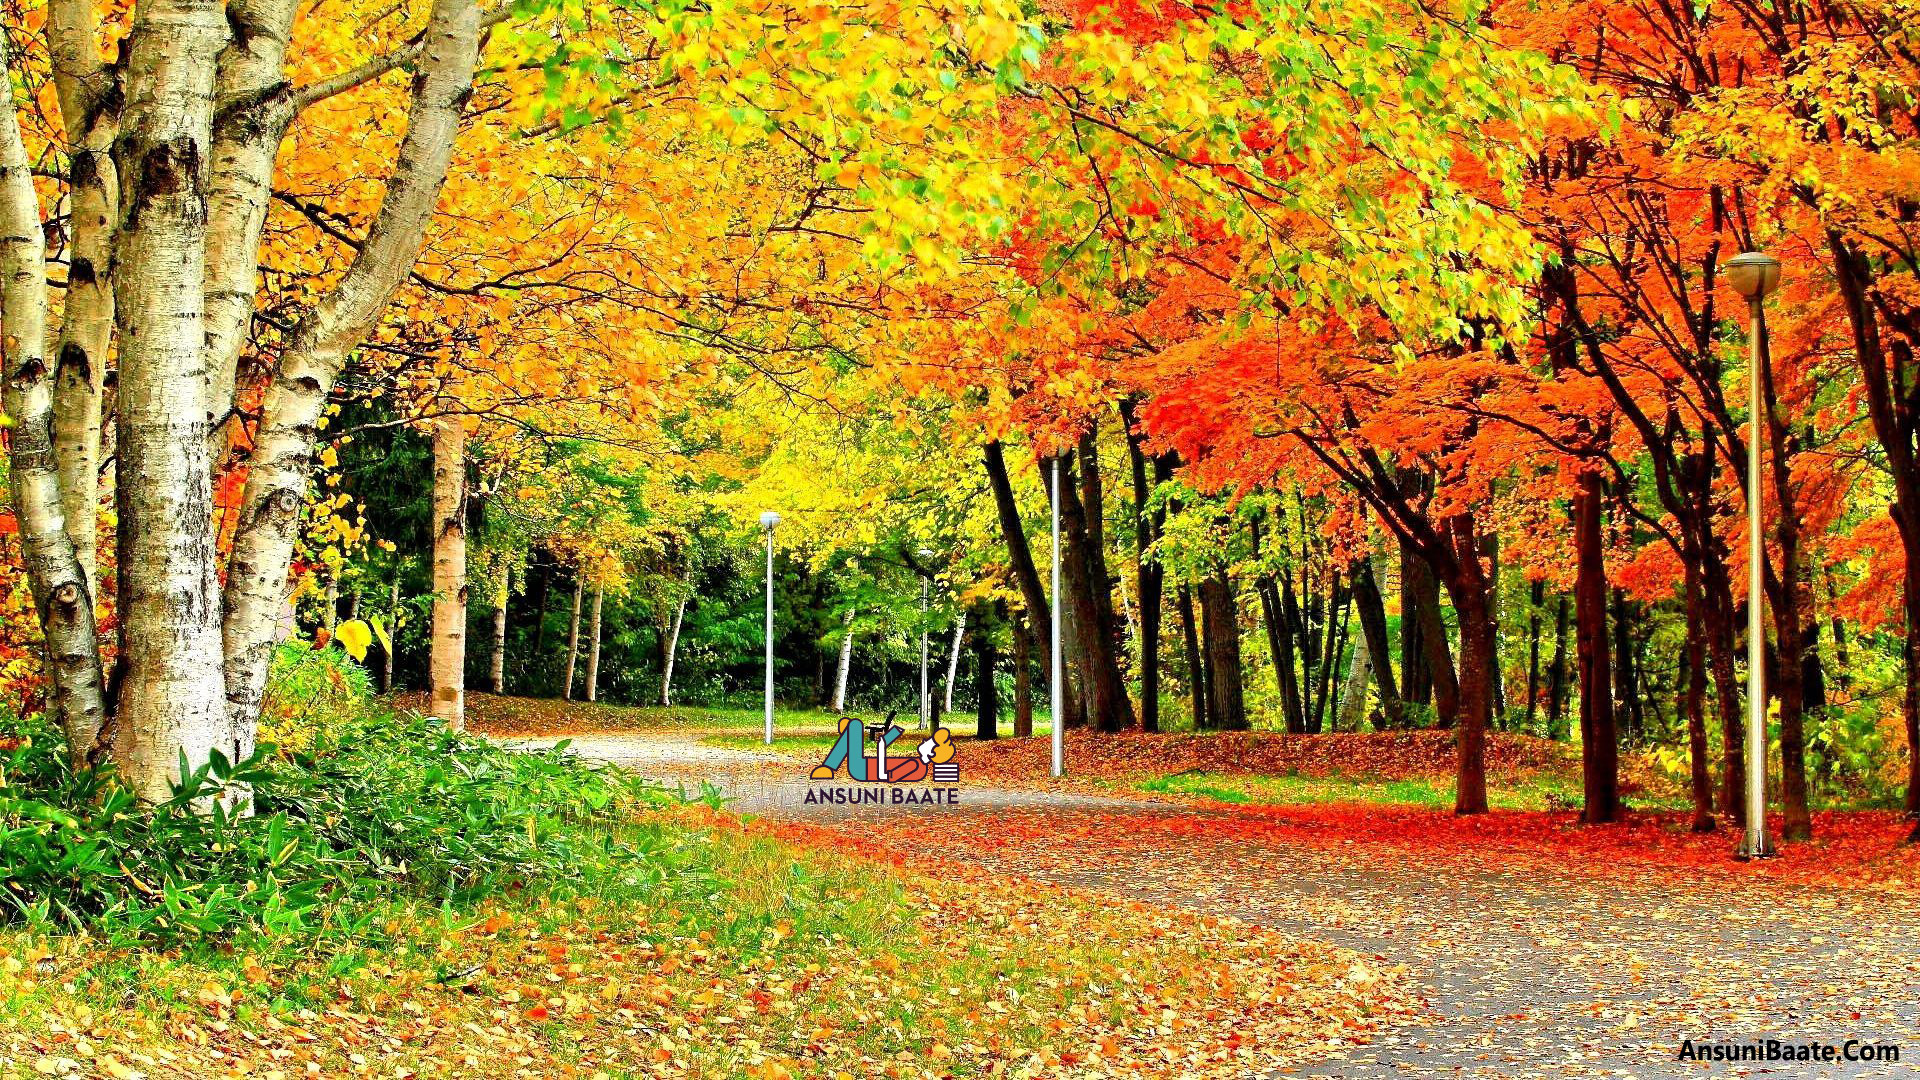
932, 761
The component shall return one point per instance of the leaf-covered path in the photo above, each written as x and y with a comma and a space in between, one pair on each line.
1527, 972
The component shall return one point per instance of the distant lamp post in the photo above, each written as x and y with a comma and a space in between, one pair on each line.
767, 521
1754, 275
1054, 689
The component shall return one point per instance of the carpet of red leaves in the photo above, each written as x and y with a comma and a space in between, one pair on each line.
1387, 755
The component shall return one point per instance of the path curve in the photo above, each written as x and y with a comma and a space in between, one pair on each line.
1527, 974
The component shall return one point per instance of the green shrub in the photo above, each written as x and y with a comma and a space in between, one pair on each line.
307, 689
380, 804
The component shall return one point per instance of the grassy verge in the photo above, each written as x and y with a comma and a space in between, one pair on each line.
1539, 792
714, 952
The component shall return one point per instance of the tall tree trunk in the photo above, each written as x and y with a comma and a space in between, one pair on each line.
846, 662
393, 631
1227, 709
1108, 706
1477, 657
1150, 577
1787, 589
573, 634
1557, 671
1372, 610
1416, 677
1890, 377
90, 103
172, 711
1020, 557
1537, 592
330, 603
1196, 660
1353, 695
673, 648
280, 462
1599, 741
593, 645
449, 668
953, 657
1693, 702
1022, 678
61, 587
986, 692
1721, 620
1273, 612
1626, 677
1335, 627
502, 592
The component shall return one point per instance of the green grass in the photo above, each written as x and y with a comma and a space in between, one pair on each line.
1534, 794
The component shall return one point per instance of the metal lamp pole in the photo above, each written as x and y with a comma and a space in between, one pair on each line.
1054, 690
767, 521
1754, 275
926, 697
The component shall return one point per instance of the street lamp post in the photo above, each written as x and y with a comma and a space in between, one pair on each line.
767, 521
1059, 680
926, 696
1754, 275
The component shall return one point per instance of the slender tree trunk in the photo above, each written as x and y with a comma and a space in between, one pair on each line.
1353, 695
1599, 741
56, 577
593, 645
573, 634
330, 603
1149, 576
986, 692
846, 662
1020, 557
450, 572
1416, 676
1789, 606
1329, 650
1022, 678
280, 461
393, 632
1693, 703
1626, 682
1280, 646
1721, 619
1108, 706
501, 594
1220, 614
673, 648
1371, 608
1196, 660
1537, 591
953, 657
1557, 671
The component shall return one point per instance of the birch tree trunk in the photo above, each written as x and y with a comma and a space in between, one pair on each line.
593, 645
89, 97
449, 662
846, 662
673, 648
573, 636
501, 594
953, 657
1353, 695
55, 577
171, 707
393, 631
281, 461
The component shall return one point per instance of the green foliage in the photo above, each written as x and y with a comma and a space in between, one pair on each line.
379, 805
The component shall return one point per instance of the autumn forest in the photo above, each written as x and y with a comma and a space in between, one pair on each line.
466, 462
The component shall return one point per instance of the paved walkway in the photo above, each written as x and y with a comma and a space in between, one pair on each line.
1528, 975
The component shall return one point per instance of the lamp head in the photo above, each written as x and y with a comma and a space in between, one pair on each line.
1752, 274
769, 519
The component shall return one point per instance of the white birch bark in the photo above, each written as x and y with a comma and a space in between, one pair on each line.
953, 658
280, 463
89, 99
501, 593
330, 612
593, 646
673, 649
1353, 695
450, 573
846, 663
573, 636
449, 656
170, 705
55, 577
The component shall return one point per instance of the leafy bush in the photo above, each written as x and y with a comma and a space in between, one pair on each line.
379, 804
307, 688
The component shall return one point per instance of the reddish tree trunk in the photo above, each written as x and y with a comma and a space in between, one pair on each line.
1599, 742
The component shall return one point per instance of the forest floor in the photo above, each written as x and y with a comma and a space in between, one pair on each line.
1540, 948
